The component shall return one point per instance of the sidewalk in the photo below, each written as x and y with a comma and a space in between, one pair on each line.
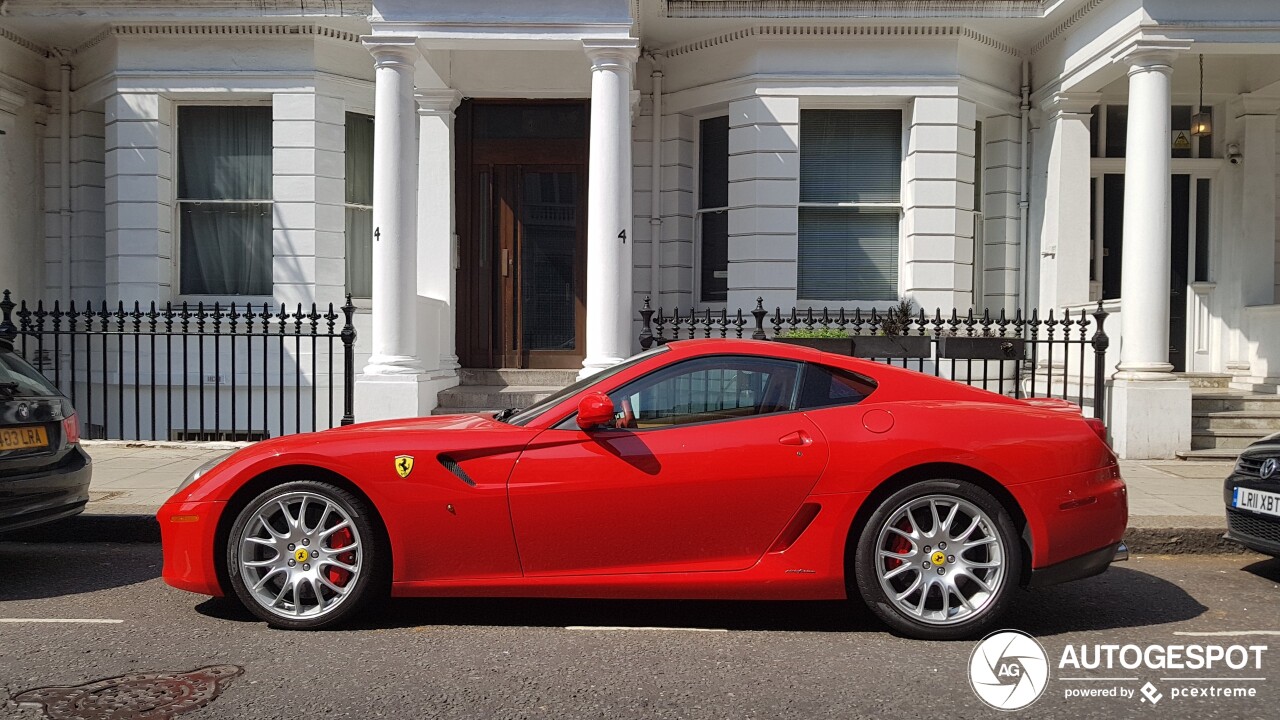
1174, 506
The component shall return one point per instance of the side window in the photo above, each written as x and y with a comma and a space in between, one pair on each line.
705, 390
826, 387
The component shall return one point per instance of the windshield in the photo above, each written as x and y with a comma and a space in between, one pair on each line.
533, 411
17, 378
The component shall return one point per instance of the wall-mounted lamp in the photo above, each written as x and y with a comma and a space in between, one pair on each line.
1202, 121
1233, 153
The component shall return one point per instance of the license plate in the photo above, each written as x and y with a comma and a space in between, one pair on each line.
1259, 501
23, 437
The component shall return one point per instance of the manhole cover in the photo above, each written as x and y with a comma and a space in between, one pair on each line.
144, 696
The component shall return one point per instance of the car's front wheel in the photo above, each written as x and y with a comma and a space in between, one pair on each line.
939, 560
304, 555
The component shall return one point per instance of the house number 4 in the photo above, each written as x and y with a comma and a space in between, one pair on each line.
623, 236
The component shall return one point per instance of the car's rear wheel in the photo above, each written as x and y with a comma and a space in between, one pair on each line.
939, 560
304, 555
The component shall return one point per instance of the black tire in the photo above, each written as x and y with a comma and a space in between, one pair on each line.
368, 585
972, 623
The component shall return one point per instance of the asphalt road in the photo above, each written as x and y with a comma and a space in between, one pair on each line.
580, 659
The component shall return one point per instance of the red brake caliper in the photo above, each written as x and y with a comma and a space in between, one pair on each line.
340, 539
899, 544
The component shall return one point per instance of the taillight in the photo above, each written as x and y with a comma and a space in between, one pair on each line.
1099, 428
71, 429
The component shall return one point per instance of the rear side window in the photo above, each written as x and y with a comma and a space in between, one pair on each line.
823, 386
19, 379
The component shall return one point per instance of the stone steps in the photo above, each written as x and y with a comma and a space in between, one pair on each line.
486, 391
1219, 439
1225, 420
1215, 455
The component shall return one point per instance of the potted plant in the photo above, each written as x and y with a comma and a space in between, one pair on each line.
829, 340
892, 340
987, 346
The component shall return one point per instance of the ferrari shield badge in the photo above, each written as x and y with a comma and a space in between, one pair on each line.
404, 465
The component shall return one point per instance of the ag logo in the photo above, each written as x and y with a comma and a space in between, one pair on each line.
404, 465
1008, 670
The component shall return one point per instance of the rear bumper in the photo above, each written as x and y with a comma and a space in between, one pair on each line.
1083, 566
47, 495
1073, 516
187, 535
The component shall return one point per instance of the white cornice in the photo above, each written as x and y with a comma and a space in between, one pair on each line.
856, 8
220, 29
1065, 25
189, 8
24, 43
955, 31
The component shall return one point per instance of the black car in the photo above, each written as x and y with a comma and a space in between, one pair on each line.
44, 473
1252, 494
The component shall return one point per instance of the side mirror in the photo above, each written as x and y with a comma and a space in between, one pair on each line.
595, 410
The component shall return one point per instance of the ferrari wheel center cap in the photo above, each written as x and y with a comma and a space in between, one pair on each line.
301, 554
938, 557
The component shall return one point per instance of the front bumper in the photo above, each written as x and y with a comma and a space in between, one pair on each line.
1255, 531
188, 533
46, 495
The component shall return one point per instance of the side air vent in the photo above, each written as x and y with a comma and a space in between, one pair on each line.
452, 466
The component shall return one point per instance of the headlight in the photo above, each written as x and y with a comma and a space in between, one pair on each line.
195, 474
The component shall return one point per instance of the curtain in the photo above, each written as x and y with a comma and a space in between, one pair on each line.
224, 154
359, 161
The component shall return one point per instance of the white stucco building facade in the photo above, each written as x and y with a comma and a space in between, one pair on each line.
500, 184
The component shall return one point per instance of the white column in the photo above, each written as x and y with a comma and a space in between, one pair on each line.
1150, 406
1065, 237
1256, 242
394, 383
395, 181
1144, 281
437, 225
609, 200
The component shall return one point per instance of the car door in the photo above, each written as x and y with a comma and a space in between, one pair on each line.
705, 468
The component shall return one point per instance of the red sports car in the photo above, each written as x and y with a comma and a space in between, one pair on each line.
711, 469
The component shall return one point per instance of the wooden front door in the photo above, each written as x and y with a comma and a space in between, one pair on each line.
522, 235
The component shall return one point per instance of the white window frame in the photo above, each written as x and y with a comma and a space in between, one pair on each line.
698, 212
842, 104
356, 206
176, 218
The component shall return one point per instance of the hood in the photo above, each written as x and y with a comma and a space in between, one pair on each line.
433, 422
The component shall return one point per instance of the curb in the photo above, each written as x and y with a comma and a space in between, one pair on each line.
1181, 541
124, 528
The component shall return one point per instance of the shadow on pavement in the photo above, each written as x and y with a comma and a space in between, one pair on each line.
1118, 598
1268, 569
35, 571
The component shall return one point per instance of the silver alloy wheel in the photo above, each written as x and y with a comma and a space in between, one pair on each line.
940, 559
300, 555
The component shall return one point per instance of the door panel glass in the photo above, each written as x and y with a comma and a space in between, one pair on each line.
705, 390
548, 238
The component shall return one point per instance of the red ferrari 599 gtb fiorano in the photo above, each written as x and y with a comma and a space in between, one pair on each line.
712, 469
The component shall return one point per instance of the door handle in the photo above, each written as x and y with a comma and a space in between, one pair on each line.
505, 261
798, 437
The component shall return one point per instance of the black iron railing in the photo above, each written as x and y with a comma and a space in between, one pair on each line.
1054, 356
191, 372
